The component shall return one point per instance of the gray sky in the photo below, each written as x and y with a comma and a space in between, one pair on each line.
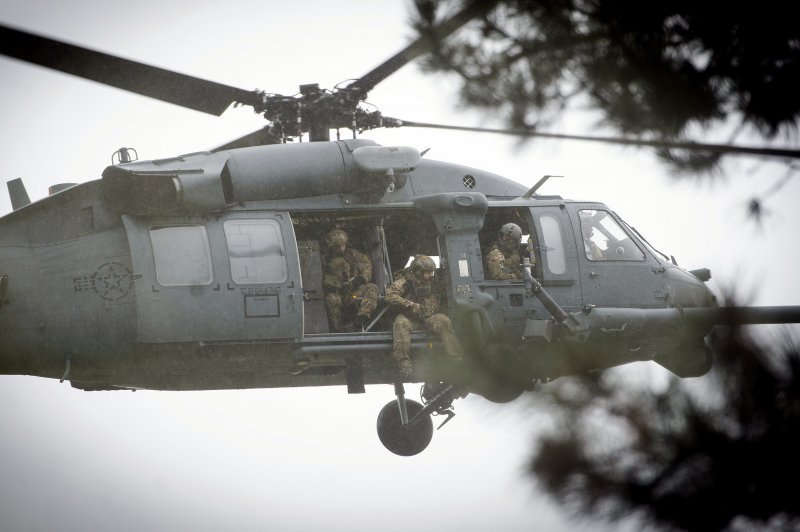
303, 459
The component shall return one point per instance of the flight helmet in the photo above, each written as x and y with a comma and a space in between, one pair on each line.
509, 236
336, 237
422, 263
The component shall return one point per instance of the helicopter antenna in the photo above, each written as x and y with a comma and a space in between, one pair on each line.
538, 184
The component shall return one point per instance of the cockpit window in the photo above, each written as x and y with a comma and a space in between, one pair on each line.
604, 239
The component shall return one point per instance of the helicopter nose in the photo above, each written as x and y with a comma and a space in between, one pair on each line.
704, 275
711, 297
689, 288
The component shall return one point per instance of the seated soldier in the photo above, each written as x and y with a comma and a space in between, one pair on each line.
503, 261
419, 300
347, 281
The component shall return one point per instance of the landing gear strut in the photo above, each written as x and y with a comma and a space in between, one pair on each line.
405, 426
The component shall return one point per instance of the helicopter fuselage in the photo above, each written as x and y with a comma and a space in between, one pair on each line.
205, 272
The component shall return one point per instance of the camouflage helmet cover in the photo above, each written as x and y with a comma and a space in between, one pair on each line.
509, 237
510, 232
423, 263
336, 237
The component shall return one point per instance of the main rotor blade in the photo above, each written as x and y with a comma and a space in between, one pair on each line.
421, 45
166, 85
692, 146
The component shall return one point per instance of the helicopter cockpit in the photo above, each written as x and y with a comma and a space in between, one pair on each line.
605, 239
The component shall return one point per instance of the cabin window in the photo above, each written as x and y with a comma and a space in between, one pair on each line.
182, 255
553, 244
256, 251
604, 239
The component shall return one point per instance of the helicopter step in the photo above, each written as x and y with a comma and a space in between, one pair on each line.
321, 352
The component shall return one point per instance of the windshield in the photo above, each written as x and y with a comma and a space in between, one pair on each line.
647, 244
605, 240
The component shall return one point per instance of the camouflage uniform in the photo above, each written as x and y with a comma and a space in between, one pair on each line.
347, 285
503, 261
503, 265
418, 304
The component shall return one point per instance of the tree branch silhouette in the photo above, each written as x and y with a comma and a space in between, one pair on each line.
677, 458
654, 72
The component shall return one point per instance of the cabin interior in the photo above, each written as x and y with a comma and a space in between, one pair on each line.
391, 239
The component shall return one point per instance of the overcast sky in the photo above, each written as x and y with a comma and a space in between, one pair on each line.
304, 459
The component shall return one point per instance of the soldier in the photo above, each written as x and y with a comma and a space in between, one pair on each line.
348, 284
503, 261
593, 251
418, 300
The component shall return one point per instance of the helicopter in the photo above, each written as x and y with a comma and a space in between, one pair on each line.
107, 283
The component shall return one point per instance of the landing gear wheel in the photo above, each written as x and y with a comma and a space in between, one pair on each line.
404, 440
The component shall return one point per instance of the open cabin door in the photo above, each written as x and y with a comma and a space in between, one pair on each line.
229, 277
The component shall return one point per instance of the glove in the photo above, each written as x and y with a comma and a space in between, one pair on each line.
416, 310
428, 309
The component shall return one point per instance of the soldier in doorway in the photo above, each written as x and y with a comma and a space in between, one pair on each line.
350, 294
418, 299
503, 261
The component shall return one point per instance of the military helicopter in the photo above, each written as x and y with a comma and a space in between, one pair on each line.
108, 284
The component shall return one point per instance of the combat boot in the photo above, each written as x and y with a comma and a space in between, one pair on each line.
336, 324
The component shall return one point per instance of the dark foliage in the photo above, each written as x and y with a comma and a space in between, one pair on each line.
679, 459
650, 68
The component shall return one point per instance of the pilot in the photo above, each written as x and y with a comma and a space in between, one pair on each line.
593, 251
503, 261
418, 299
349, 290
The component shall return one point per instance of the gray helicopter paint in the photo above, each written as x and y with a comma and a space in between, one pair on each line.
632, 283
68, 298
79, 286
321, 172
241, 311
